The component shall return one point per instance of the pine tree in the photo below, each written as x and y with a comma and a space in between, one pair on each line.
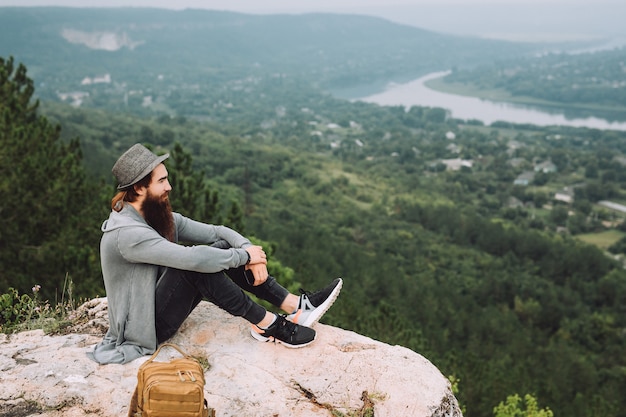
46, 236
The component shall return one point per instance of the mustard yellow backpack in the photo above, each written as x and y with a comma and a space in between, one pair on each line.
170, 389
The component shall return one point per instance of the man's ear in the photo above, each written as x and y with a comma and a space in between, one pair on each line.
139, 189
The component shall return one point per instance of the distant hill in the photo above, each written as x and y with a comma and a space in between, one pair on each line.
137, 47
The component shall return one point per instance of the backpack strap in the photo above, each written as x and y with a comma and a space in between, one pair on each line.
156, 353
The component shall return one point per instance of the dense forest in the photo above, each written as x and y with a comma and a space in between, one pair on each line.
490, 250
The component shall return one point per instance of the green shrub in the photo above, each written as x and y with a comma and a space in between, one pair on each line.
25, 312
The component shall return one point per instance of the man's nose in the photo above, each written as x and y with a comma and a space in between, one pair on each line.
168, 186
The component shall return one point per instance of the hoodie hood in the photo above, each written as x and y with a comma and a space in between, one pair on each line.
128, 216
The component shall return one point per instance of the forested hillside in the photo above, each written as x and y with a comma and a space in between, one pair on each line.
434, 260
592, 81
197, 53
463, 242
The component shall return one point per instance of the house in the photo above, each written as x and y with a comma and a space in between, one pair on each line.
75, 97
513, 146
516, 162
453, 148
620, 160
525, 178
613, 206
565, 195
105, 79
456, 163
546, 167
355, 125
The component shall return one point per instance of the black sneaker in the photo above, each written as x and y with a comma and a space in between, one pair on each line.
313, 305
282, 331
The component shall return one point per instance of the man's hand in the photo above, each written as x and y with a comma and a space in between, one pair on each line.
257, 255
257, 264
259, 271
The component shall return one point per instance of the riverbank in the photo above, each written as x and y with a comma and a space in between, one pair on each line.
501, 95
491, 107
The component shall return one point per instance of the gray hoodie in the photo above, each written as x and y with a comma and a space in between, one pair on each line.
132, 253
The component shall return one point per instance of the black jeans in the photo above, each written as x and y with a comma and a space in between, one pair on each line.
179, 292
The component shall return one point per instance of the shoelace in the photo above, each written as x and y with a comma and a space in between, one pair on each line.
278, 328
285, 329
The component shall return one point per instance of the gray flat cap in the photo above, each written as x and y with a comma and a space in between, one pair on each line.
134, 164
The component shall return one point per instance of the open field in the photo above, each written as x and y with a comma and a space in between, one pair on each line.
602, 239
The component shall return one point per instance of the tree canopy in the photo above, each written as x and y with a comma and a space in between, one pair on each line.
47, 224
464, 267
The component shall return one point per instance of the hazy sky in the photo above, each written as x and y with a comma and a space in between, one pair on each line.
286, 6
490, 18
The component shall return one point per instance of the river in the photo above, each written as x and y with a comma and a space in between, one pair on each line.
415, 93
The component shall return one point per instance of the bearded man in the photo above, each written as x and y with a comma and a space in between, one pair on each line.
153, 283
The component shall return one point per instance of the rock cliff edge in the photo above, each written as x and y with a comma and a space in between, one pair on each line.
341, 372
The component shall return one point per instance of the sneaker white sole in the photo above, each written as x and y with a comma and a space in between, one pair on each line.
262, 338
320, 310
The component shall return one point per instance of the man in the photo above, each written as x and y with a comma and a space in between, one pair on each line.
153, 283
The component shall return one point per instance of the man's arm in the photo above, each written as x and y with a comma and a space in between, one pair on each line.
145, 245
197, 232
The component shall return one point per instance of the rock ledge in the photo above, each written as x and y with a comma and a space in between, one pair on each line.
47, 375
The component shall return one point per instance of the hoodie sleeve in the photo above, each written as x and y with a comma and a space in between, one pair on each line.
196, 232
144, 245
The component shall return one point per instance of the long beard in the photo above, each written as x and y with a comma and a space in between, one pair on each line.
158, 214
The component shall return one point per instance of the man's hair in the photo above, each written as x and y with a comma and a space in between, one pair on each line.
129, 194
